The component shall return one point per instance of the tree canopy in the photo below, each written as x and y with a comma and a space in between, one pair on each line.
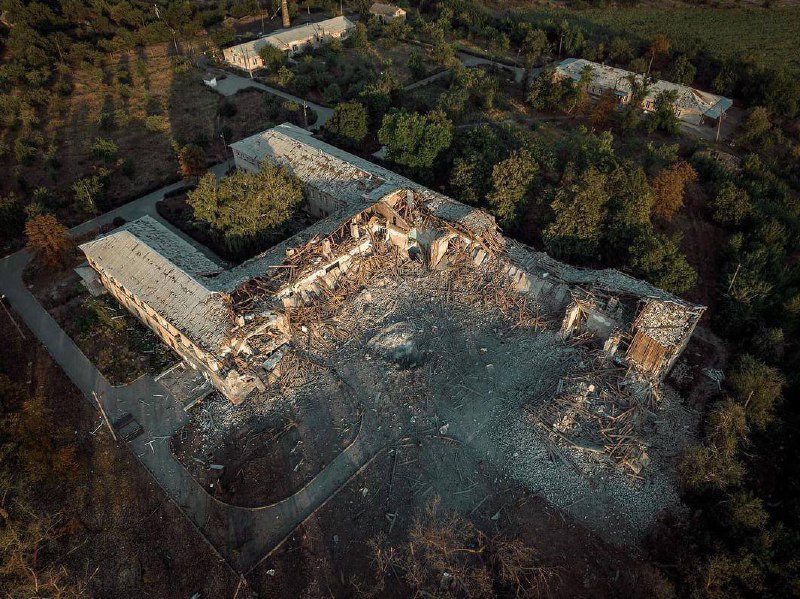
244, 206
415, 140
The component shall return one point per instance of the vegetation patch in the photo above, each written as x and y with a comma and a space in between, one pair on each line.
121, 347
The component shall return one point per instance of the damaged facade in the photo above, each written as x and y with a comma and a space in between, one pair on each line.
235, 323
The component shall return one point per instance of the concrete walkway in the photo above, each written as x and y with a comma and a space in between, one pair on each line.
470, 60
243, 536
233, 84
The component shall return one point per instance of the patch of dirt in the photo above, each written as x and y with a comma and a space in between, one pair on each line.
329, 554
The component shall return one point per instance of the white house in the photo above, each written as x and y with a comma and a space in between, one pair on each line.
691, 105
292, 41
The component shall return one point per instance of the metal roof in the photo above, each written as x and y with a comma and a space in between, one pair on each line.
379, 8
284, 38
344, 175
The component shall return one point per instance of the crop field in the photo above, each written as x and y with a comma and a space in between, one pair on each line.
721, 31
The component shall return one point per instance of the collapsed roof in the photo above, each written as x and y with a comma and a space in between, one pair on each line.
241, 314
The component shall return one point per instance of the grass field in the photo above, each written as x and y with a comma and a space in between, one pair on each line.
721, 31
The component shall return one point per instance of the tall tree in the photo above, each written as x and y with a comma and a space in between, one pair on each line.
663, 117
669, 186
580, 207
659, 46
348, 123
285, 20
415, 140
243, 207
50, 240
512, 179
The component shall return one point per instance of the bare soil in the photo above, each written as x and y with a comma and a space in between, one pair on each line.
329, 555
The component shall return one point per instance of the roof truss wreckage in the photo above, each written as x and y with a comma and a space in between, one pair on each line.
236, 323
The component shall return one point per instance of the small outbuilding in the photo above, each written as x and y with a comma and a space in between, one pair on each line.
387, 13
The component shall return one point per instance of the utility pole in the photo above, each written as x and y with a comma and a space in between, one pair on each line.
305, 116
11, 318
261, 12
719, 124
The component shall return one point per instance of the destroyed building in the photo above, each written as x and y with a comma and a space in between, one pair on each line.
234, 322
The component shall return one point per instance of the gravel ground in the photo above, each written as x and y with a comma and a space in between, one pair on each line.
433, 363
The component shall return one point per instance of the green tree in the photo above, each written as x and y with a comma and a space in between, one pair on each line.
682, 71
105, 149
759, 388
87, 192
416, 64
244, 207
415, 140
272, 57
377, 97
658, 259
663, 117
731, 205
550, 92
348, 123
358, 38
580, 207
511, 178
756, 125
534, 45
715, 463
629, 208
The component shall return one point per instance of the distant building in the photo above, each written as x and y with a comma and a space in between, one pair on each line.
292, 41
387, 13
692, 105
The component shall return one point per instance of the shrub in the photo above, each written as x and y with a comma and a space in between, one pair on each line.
105, 149
759, 388
155, 123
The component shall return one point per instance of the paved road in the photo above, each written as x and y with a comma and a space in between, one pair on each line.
233, 84
241, 535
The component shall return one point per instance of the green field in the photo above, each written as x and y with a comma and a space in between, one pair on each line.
722, 32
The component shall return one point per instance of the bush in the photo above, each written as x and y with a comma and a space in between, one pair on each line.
332, 93
155, 123
105, 149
